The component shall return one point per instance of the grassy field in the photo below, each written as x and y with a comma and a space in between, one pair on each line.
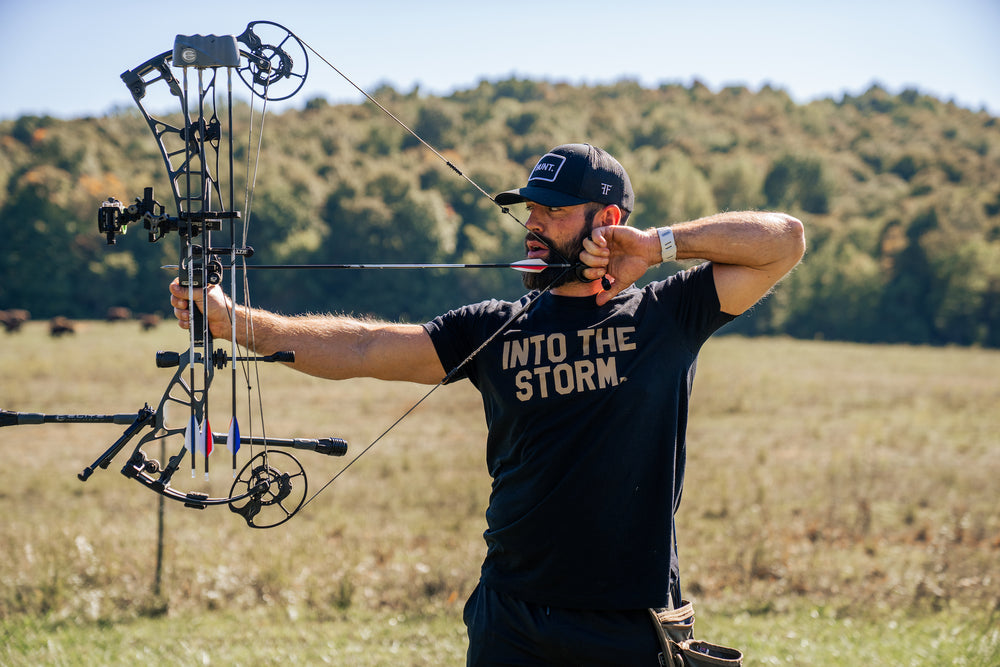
840, 508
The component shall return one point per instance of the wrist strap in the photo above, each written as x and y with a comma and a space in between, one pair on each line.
668, 249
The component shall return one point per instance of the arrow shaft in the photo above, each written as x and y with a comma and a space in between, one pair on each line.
504, 265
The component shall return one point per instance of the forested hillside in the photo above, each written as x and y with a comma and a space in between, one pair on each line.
900, 195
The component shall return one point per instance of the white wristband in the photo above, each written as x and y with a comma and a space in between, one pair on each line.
668, 249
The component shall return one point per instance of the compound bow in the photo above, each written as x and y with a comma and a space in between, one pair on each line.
273, 63
271, 487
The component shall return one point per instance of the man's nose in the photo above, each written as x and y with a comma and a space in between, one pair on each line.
534, 222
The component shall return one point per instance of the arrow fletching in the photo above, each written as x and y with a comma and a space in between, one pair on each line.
534, 266
233, 440
205, 442
191, 439
199, 443
205, 445
233, 437
191, 435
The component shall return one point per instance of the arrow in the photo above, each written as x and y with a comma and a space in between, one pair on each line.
524, 266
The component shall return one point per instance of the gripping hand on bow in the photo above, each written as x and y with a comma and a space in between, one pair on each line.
217, 311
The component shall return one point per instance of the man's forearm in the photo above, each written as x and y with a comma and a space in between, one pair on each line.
341, 347
326, 346
752, 239
334, 347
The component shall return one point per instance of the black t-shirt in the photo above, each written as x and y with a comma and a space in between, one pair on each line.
587, 410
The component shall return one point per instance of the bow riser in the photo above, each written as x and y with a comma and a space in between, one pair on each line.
182, 148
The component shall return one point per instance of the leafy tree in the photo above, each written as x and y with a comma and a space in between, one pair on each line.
801, 182
898, 194
737, 185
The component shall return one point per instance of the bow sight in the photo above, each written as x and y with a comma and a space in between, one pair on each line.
113, 217
198, 155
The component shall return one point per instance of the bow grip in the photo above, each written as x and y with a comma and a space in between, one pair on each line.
204, 271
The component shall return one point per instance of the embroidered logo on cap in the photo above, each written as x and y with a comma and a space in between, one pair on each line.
547, 168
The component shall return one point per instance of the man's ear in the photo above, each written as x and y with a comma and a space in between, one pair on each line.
610, 216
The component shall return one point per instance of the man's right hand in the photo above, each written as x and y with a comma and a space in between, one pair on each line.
218, 310
623, 252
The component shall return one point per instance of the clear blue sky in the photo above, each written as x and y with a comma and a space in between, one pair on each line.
63, 57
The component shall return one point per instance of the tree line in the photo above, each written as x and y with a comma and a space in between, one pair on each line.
900, 194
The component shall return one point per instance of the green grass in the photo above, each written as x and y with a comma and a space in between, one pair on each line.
839, 508
247, 638
815, 636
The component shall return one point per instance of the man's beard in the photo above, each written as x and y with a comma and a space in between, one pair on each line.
556, 277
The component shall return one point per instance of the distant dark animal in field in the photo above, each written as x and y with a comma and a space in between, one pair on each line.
60, 325
149, 321
118, 313
13, 319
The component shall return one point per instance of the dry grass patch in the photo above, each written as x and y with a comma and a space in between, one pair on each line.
859, 481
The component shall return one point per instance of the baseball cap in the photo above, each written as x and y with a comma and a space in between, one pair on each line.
574, 174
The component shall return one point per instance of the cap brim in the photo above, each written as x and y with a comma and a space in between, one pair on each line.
543, 196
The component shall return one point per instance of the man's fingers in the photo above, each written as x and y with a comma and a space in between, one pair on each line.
179, 301
598, 236
591, 272
595, 258
181, 311
609, 292
596, 244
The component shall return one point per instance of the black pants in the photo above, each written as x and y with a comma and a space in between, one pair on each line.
504, 630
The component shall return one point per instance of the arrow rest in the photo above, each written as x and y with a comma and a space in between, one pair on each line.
211, 272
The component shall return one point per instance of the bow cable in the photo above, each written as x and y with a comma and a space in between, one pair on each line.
233, 434
250, 187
